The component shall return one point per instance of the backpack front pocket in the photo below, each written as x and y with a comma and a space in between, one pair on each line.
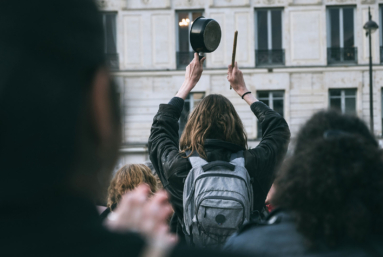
220, 215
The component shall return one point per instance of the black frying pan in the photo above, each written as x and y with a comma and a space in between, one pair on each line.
205, 35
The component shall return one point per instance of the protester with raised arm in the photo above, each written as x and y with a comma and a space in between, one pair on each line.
215, 132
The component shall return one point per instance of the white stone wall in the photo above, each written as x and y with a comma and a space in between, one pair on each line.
148, 75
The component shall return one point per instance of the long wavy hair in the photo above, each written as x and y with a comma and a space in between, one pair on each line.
126, 179
214, 118
333, 182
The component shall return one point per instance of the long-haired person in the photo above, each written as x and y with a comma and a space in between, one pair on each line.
214, 132
329, 195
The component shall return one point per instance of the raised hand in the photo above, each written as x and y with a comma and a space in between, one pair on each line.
193, 74
235, 77
194, 69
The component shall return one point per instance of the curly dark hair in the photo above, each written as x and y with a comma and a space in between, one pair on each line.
333, 182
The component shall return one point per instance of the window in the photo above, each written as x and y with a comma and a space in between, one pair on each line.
191, 101
110, 39
344, 100
274, 99
268, 23
340, 40
185, 52
381, 32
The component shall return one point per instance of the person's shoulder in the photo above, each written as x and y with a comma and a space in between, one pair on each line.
277, 230
274, 218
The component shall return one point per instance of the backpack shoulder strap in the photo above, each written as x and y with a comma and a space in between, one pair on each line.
237, 159
196, 160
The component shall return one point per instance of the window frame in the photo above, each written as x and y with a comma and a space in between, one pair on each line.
190, 15
381, 32
104, 26
342, 98
112, 58
190, 12
269, 27
270, 99
341, 34
271, 56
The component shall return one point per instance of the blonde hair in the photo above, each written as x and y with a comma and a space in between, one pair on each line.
215, 118
126, 179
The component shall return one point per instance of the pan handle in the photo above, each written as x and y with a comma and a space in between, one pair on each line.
201, 55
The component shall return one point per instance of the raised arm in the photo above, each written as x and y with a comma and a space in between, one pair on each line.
235, 77
193, 74
170, 164
263, 160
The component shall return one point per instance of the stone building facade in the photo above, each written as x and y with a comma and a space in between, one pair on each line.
299, 56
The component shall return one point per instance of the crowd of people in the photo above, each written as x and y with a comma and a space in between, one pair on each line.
204, 194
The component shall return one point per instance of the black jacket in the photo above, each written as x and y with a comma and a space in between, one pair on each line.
277, 236
70, 226
172, 167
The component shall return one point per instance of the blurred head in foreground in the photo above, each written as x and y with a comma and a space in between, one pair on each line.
333, 182
58, 111
128, 178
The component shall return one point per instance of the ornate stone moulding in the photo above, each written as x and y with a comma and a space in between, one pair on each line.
335, 2
147, 4
189, 3
269, 2
304, 2
229, 3
368, 1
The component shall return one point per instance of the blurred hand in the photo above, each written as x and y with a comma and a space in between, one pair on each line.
235, 77
193, 74
137, 213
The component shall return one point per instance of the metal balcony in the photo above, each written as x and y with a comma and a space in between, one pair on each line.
337, 55
274, 57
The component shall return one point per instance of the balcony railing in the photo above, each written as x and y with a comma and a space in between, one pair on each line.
112, 61
273, 57
342, 55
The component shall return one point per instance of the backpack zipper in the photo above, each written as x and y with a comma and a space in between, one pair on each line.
222, 175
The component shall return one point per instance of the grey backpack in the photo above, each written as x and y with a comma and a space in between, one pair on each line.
217, 200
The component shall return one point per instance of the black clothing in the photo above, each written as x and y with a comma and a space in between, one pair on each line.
70, 226
64, 226
277, 236
261, 161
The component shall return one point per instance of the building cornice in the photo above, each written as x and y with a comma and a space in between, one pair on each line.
292, 69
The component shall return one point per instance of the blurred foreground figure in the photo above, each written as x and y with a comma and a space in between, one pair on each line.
59, 139
329, 194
